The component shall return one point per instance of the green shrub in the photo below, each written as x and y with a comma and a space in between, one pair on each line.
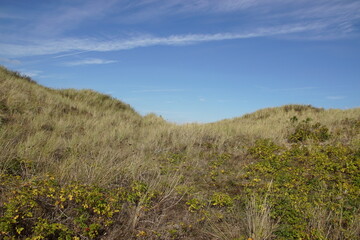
42, 209
303, 177
221, 200
195, 204
306, 131
264, 148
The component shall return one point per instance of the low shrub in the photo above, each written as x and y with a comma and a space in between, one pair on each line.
306, 131
41, 208
324, 176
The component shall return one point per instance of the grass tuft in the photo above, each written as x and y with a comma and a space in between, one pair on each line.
77, 164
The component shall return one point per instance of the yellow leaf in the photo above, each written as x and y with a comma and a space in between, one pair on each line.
141, 234
19, 229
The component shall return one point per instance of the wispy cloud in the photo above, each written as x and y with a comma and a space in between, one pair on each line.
48, 31
70, 16
89, 62
31, 73
339, 18
180, 6
70, 54
69, 45
10, 61
228, 5
144, 10
273, 12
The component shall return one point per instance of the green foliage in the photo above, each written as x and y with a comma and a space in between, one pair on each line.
301, 108
217, 164
45, 230
221, 200
294, 119
3, 112
264, 148
176, 158
42, 209
325, 176
17, 167
306, 131
118, 175
140, 194
195, 204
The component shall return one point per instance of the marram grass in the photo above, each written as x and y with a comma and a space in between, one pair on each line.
77, 164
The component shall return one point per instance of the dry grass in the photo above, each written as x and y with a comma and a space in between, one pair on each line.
258, 218
84, 136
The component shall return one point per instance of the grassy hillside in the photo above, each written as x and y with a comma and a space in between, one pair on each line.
77, 164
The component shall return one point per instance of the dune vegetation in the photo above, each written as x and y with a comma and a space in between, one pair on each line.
77, 164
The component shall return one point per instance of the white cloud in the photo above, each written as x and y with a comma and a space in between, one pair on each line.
69, 45
272, 12
10, 61
31, 73
66, 17
306, 19
70, 54
152, 8
89, 62
210, 5
339, 18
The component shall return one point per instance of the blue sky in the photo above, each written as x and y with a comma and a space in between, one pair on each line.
190, 61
